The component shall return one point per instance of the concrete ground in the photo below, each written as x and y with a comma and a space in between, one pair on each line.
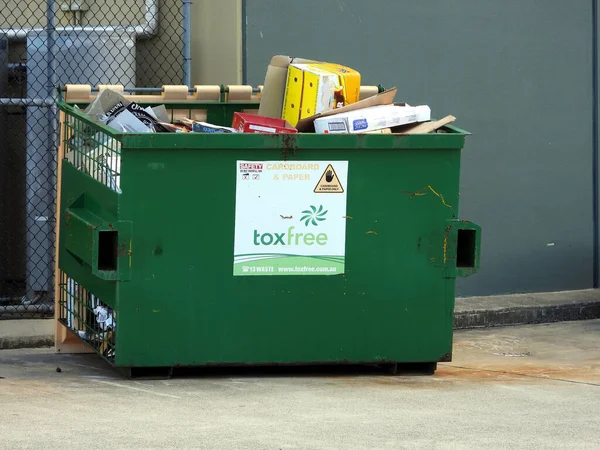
514, 309
534, 386
26, 333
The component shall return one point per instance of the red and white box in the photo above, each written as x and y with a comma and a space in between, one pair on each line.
251, 123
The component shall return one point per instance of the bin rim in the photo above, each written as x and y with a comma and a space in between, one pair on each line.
452, 138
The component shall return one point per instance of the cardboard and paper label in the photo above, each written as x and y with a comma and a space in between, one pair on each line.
371, 119
329, 183
312, 88
290, 218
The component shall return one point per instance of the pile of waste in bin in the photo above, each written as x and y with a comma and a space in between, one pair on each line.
299, 95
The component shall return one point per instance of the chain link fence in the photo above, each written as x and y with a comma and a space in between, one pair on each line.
45, 44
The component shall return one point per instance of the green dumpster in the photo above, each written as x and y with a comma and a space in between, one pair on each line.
253, 249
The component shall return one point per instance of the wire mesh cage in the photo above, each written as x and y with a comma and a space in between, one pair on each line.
97, 152
93, 321
93, 151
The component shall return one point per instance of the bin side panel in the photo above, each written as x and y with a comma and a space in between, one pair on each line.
183, 306
80, 192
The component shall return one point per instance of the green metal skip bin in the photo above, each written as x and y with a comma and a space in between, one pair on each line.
248, 249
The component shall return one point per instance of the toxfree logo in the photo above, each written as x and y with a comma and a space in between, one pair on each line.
311, 216
291, 238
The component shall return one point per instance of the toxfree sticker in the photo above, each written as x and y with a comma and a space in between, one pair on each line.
290, 218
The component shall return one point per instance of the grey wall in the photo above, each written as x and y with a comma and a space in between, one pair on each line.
518, 74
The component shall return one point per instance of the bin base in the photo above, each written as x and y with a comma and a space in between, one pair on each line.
146, 373
395, 369
413, 368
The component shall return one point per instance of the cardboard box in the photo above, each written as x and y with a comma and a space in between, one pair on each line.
316, 87
383, 98
425, 127
372, 118
271, 99
250, 123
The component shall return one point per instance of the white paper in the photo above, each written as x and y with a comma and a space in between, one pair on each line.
151, 112
372, 118
160, 112
104, 319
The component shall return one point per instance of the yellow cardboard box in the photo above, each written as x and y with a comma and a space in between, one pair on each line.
312, 88
271, 99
